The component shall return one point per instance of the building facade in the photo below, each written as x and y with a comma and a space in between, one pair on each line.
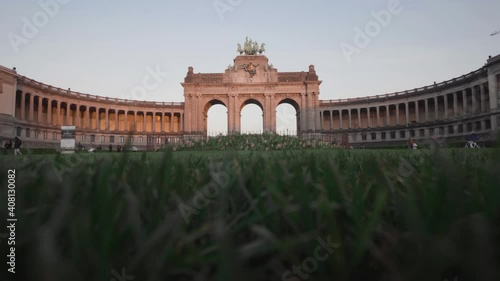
452, 109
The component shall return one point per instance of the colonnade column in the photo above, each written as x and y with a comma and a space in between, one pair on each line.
87, 117
397, 114
417, 113
350, 119
135, 121
473, 97
125, 121
359, 117
32, 107
23, 106
378, 116
426, 104
171, 122
455, 105
436, 109
464, 101
97, 118
368, 113
387, 115
106, 119
445, 106
117, 120
181, 122
407, 114
58, 115
162, 122
144, 113
68, 109
340, 119
482, 97
331, 119
49, 112
40, 109
78, 117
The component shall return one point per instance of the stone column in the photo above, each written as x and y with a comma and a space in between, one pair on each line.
58, 121
482, 98
303, 112
436, 109
397, 114
426, 104
181, 122
78, 117
445, 106
407, 114
340, 119
106, 119
464, 101
331, 119
88, 125
134, 126
350, 119
49, 112
23, 106
273, 112
32, 107
474, 101
417, 113
40, 110
171, 122
97, 118
455, 106
117, 120
368, 117
162, 122
387, 115
125, 121
321, 118
378, 116
68, 111
359, 117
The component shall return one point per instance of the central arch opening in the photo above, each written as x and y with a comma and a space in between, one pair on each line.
287, 117
215, 118
252, 121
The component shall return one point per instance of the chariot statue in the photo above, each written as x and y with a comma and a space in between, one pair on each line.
251, 47
262, 48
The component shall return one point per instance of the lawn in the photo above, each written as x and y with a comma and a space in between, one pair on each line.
325, 214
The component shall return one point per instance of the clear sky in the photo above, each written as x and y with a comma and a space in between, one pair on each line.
106, 47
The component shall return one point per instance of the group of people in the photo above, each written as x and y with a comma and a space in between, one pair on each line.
17, 145
412, 144
119, 148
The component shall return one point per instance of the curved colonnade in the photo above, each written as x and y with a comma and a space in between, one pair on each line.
451, 109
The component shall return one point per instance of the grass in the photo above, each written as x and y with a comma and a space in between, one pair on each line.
395, 215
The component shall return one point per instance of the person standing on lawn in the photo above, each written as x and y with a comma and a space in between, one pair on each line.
17, 146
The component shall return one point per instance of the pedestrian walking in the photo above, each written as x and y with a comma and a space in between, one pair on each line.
17, 146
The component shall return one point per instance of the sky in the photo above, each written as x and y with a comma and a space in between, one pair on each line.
107, 47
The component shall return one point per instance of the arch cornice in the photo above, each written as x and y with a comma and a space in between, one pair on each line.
236, 85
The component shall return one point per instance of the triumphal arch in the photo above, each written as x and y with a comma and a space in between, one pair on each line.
251, 80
